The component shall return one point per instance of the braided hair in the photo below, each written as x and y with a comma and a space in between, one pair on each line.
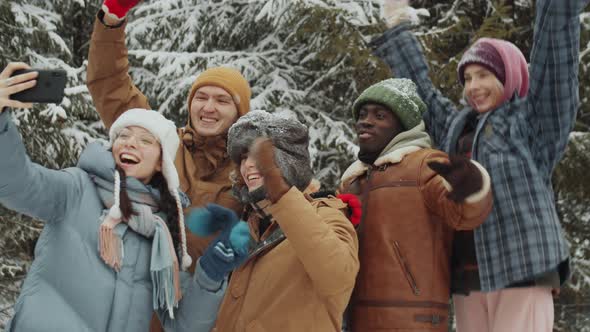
167, 204
124, 200
168, 207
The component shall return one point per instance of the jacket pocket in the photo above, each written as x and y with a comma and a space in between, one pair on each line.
399, 315
406, 269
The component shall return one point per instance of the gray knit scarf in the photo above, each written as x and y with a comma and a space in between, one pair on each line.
164, 266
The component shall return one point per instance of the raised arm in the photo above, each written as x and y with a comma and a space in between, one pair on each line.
402, 52
553, 92
108, 80
29, 188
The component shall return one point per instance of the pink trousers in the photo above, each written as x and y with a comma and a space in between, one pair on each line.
528, 309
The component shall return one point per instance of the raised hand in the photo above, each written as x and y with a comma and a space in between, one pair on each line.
399, 11
214, 218
11, 85
210, 219
227, 252
262, 150
463, 176
118, 9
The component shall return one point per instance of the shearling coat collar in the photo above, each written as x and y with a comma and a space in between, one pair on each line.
400, 146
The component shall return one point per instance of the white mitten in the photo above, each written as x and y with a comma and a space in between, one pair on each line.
398, 11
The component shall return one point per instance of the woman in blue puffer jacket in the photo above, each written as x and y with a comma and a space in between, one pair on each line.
113, 247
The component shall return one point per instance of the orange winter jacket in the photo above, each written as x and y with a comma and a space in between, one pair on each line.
304, 282
203, 164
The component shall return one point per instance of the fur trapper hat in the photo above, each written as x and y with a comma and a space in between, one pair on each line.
289, 137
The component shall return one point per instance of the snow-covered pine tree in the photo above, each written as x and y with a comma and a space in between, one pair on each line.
573, 194
43, 34
305, 58
308, 58
454, 25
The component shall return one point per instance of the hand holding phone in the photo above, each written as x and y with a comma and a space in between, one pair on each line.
10, 85
49, 88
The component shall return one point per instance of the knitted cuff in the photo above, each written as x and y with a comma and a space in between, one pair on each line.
204, 280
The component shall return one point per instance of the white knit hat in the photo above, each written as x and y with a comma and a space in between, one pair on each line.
165, 131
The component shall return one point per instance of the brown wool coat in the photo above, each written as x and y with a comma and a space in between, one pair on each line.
405, 242
302, 284
203, 164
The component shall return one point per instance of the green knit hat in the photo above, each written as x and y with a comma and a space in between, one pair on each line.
397, 94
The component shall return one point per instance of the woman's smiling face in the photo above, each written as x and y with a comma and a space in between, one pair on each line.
482, 88
138, 153
250, 173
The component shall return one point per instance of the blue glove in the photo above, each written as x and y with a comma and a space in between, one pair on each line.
210, 219
230, 248
220, 258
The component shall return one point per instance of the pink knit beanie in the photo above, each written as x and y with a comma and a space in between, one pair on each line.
503, 59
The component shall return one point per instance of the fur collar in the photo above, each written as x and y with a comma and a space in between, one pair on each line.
400, 146
359, 168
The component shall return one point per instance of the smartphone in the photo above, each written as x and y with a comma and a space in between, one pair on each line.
49, 89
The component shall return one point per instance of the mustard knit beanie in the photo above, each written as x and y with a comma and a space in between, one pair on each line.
228, 79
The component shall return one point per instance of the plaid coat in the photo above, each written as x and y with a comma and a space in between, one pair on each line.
519, 143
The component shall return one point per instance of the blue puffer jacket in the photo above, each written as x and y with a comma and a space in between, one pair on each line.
69, 287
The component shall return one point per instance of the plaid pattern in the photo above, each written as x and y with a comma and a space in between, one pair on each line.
519, 143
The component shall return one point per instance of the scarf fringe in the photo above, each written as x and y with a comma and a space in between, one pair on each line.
166, 281
110, 244
164, 264
167, 293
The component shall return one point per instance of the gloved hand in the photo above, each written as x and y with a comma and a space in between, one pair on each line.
398, 11
230, 248
262, 150
463, 176
223, 255
213, 218
118, 8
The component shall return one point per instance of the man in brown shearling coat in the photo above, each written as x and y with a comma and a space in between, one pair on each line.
413, 198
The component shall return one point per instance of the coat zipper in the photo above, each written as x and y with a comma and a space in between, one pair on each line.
406, 269
364, 200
